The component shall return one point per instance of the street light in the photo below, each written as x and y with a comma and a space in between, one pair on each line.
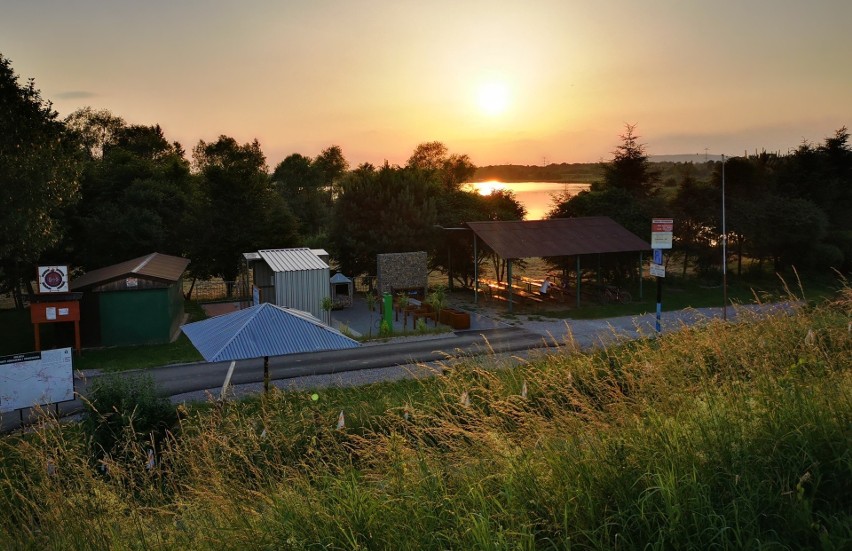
724, 250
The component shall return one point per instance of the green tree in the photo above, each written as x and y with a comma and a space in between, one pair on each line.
451, 170
630, 169
95, 129
695, 211
299, 185
387, 210
239, 210
136, 196
39, 178
330, 166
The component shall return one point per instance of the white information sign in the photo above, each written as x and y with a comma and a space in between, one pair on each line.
661, 233
37, 378
658, 270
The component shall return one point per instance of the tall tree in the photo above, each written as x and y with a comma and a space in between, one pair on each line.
95, 129
239, 211
39, 171
136, 197
630, 169
452, 170
381, 211
299, 185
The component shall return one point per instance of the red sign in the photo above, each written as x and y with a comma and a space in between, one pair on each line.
662, 225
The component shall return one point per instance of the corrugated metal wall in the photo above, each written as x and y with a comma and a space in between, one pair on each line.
303, 290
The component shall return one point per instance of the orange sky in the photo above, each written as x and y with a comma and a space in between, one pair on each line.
379, 77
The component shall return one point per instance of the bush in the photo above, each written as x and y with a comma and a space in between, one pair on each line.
123, 410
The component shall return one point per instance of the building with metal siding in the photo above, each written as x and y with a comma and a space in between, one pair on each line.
139, 301
293, 278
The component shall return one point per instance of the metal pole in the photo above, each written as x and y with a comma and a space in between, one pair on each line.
724, 250
266, 374
659, 303
475, 272
509, 281
640, 276
578, 281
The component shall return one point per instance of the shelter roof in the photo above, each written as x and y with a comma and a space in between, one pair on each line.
292, 260
340, 278
263, 330
155, 266
557, 237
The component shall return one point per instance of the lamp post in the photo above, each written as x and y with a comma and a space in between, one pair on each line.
724, 250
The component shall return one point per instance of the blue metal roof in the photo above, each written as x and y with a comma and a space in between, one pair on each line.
263, 330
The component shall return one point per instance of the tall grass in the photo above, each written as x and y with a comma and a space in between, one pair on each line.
719, 437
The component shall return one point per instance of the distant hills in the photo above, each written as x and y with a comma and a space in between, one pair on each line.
575, 172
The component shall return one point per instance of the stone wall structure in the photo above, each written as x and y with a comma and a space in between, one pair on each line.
398, 271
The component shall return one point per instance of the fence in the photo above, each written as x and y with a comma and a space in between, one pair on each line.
216, 290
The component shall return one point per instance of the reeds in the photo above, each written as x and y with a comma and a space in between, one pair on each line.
721, 436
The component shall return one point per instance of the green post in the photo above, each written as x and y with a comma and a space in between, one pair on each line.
387, 310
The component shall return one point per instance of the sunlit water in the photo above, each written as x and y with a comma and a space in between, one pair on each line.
537, 197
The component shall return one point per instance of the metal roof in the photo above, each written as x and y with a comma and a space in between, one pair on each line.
340, 278
292, 260
156, 266
557, 237
263, 330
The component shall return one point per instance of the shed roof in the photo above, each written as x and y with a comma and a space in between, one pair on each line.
263, 330
292, 260
155, 266
557, 237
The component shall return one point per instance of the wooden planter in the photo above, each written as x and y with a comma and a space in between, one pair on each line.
456, 319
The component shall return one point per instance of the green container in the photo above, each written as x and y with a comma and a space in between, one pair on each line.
387, 310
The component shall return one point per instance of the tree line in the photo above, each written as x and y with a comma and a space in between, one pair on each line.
91, 190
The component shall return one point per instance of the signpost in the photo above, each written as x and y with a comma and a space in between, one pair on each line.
662, 231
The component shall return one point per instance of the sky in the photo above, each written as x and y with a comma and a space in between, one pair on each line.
505, 82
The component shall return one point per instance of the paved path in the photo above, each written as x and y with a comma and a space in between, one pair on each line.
406, 357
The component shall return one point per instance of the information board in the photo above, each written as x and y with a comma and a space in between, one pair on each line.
36, 378
661, 233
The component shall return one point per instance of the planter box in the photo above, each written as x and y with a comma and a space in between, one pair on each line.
455, 318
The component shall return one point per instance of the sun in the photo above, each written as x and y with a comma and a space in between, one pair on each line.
493, 98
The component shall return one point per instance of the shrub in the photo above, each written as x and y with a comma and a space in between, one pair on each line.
122, 410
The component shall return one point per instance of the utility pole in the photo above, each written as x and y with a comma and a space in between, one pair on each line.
724, 250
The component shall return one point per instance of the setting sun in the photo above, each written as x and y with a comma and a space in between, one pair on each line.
493, 98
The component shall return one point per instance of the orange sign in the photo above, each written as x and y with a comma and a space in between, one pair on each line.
54, 312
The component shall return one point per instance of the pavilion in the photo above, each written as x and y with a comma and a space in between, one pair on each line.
583, 236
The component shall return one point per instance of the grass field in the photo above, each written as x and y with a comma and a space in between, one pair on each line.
729, 436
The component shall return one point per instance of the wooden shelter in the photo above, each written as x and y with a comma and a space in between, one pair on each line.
517, 239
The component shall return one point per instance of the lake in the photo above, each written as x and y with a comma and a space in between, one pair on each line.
535, 196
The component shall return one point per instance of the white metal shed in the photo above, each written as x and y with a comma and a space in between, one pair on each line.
294, 278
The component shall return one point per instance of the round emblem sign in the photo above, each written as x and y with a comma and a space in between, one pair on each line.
53, 278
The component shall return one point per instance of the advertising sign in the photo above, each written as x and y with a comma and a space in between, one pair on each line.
53, 279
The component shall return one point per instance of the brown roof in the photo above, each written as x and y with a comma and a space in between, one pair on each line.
155, 266
557, 237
